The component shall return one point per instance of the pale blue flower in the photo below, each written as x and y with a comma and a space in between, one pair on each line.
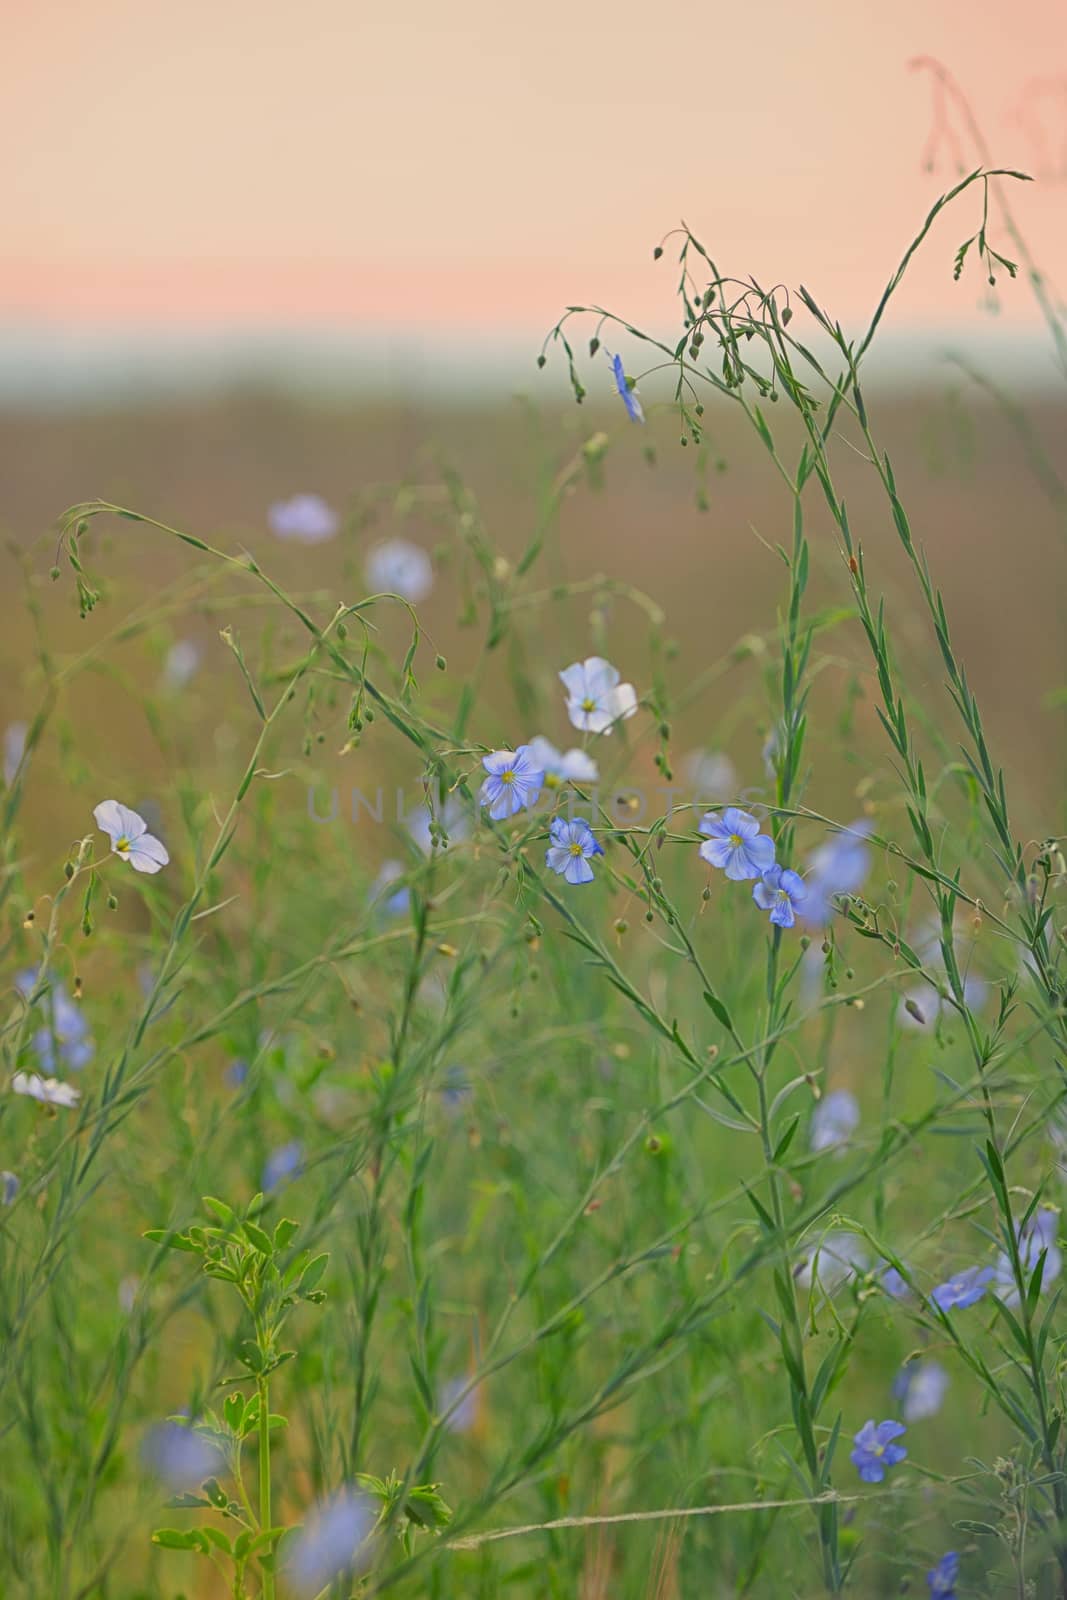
396, 902
838, 1258
779, 891
838, 867
596, 700
964, 1289
735, 844
181, 1457
453, 817
561, 767
306, 518
282, 1166
514, 782
873, 1449
834, 1120
9, 1188
129, 836
399, 567
333, 1541
711, 775
626, 393
65, 1029
920, 1387
462, 1415
1039, 1234
894, 1283
573, 847
15, 735
182, 664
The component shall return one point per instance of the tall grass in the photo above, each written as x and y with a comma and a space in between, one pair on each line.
607, 1295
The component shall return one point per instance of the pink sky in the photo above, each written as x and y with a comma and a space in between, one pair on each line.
480, 164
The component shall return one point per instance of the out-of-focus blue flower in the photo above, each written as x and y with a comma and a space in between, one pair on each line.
929, 1005
236, 1073
14, 749
306, 518
455, 1091
626, 394
181, 1457
1039, 1234
334, 1540
396, 903
182, 664
573, 847
840, 866
282, 1166
65, 1029
834, 1120
452, 817
771, 746
130, 838
920, 1387
399, 567
873, 1449
465, 1415
894, 1284
779, 891
560, 767
734, 843
596, 699
710, 775
838, 1257
963, 1289
943, 1578
514, 781
9, 1188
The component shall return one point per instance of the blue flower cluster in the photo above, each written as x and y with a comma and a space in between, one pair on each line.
736, 846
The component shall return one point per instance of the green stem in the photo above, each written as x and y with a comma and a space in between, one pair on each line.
266, 1520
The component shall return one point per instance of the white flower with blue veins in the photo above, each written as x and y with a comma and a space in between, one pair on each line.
130, 837
399, 567
596, 700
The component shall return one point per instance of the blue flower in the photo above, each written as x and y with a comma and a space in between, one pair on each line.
396, 902
573, 846
735, 844
514, 781
460, 1414
626, 394
65, 1029
778, 891
1039, 1235
400, 567
873, 1449
562, 767
920, 1387
14, 749
282, 1165
236, 1073
944, 1577
894, 1284
9, 1188
180, 1456
333, 1540
834, 1120
963, 1289
306, 518
840, 866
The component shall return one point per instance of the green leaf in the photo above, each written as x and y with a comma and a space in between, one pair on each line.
719, 1009
172, 1241
176, 1539
256, 1237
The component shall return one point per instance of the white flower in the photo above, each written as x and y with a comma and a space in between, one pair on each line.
568, 766
181, 664
49, 1091
711, 775
306, 518
399, 567
130, 837
14, 749
596, 700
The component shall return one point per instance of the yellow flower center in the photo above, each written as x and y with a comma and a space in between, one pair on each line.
575, 848
508, 776
736, 840
552, 780
122, 845
588, 704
